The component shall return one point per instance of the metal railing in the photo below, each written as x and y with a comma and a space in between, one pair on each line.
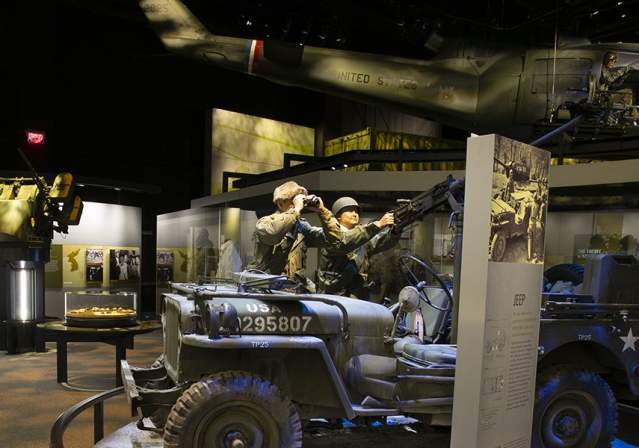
65, 419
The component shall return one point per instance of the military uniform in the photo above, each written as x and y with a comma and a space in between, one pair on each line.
534, 230
509, 188
344, 265
609, 92
611, 76
281, 240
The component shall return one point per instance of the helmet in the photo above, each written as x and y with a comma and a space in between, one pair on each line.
288, 190
342, 203
610, 56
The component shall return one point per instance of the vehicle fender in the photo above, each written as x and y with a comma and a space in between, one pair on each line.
292, 362
592, 355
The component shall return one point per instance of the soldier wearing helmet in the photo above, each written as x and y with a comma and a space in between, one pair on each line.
343, 267
611, 76
281, 238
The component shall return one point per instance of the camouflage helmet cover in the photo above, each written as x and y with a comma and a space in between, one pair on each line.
288, 190
342, 203
610, 56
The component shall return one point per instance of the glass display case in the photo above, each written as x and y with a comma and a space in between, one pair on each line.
100, 309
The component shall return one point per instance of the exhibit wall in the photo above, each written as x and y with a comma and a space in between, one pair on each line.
102, 253
249, 144
571, 237
201, 245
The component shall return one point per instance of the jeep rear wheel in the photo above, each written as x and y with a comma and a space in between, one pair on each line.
574, 408
233, 410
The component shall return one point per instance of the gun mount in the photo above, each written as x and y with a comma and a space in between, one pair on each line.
30, 211
449, 191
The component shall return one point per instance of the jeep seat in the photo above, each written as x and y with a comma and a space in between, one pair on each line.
430, 354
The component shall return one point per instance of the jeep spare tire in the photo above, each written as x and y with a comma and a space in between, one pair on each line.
233, 409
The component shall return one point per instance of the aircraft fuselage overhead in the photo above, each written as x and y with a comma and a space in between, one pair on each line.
509, 91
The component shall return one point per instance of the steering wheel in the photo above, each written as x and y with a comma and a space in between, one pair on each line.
420, 285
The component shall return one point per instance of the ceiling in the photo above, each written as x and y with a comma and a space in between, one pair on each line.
115, 104
401, 27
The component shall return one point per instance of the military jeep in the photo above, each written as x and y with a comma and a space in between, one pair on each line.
505, 224
245, 364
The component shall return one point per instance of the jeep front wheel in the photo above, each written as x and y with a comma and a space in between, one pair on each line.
574, 408
498, 246
233, 410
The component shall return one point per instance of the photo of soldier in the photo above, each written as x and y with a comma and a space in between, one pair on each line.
94, 261
281, 238
519, 203
164, 265
344, 266
134, 266
124, 264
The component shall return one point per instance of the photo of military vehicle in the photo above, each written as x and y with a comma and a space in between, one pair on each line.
505, 224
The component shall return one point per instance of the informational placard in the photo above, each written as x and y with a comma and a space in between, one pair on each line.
505, 206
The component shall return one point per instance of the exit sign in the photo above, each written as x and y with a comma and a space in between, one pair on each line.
35, 138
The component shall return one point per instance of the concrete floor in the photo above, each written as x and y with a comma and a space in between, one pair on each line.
31, 400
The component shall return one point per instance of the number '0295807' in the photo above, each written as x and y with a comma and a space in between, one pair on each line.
274, 324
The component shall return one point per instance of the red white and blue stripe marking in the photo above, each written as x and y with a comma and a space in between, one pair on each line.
253, 51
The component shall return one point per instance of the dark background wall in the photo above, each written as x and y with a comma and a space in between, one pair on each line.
121, 112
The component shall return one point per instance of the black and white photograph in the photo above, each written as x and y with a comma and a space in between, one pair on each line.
165, 261
94, 262
124, 264
519, 203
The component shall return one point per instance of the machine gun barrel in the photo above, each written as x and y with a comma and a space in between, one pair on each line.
38, 181
424, 203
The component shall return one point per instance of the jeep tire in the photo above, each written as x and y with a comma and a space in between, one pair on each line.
573, 408
498, 245
233, 409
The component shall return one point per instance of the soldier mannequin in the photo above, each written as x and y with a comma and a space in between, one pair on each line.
281, 238
611, 76
344, 266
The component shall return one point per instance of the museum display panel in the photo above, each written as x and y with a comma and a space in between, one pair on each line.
202, 244
102, 254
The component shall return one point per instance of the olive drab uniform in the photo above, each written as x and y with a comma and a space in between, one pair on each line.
281, 240
343, 267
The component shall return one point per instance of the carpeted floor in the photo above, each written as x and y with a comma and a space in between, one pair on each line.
31, 400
